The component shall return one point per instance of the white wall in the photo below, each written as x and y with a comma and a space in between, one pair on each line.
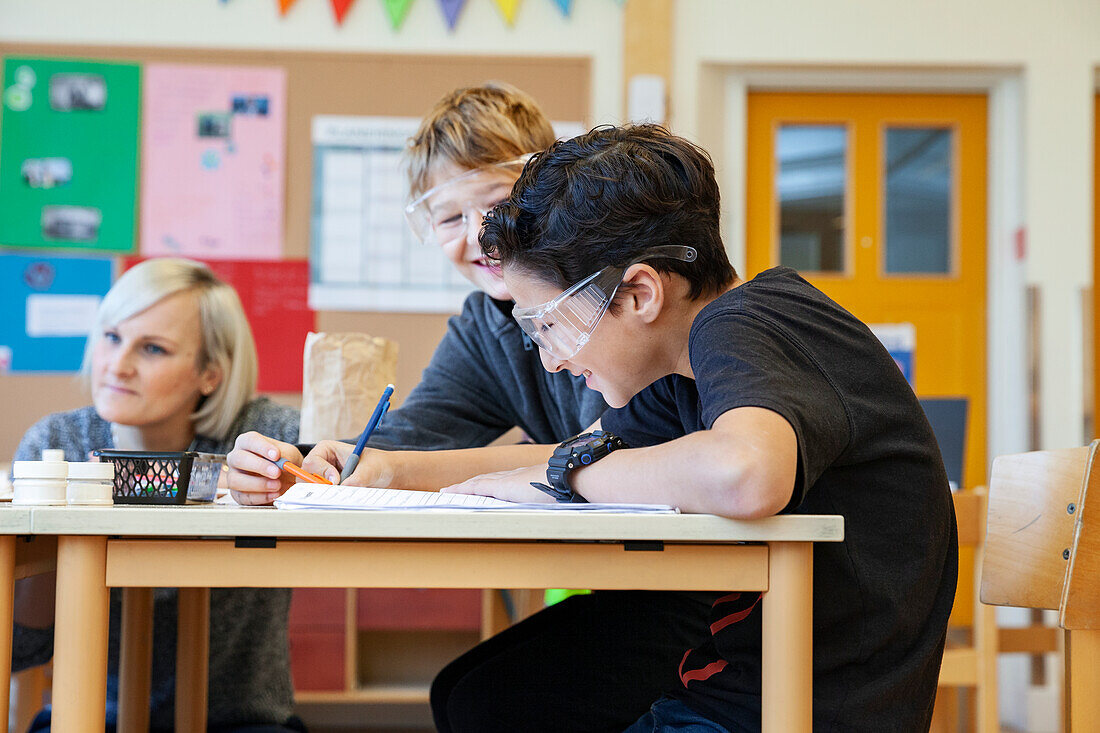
1051, 49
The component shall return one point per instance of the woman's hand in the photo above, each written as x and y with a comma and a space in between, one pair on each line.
514, 485
253, 476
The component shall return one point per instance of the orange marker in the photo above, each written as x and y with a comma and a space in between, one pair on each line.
309, 478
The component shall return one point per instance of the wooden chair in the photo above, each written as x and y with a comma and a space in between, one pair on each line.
971, 663
1042, 551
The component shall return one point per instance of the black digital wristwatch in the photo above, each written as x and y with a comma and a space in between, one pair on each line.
580, 450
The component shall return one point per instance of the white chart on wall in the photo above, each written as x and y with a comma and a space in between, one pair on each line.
363, 256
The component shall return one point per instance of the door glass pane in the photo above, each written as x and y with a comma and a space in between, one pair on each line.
810, 189
918, 200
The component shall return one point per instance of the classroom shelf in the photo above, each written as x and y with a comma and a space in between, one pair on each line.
382, 646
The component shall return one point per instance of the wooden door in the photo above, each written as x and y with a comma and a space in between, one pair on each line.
880, 201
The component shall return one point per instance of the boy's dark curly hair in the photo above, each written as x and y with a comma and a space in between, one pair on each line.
605, 197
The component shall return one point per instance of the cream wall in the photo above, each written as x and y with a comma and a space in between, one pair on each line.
1039, 57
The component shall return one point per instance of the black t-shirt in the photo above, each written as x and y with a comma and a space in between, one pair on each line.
865, 451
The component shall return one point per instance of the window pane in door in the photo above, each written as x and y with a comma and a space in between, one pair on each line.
810, 188
918, 200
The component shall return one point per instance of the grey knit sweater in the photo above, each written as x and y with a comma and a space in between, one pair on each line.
249, 655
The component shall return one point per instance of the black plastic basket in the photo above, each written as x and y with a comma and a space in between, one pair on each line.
171, 477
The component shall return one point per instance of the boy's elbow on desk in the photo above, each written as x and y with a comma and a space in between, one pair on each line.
743, 488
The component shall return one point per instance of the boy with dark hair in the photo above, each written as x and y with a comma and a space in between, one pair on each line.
743, 399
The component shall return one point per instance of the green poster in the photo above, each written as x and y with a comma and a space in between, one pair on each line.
68, 154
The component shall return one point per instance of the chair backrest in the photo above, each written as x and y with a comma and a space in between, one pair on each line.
1041, 549
947, 416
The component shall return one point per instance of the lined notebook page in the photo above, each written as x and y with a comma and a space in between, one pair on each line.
321, 496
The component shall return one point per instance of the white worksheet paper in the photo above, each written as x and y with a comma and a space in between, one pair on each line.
322, 496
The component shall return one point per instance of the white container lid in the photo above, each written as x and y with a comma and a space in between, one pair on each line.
40, 469
91, 471
53, 454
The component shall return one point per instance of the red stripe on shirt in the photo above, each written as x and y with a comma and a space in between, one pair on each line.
733, 617
700, 674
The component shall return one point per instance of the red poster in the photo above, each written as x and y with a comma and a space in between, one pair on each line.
274, 296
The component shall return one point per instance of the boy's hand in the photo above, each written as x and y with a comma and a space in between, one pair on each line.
376, 467
253, 476
514, 485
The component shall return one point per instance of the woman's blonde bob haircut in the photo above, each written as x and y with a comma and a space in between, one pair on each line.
474, 127
226, 337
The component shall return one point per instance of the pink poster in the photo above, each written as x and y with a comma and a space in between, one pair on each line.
213, 161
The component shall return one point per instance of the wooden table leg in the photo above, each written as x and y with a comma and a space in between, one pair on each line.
80, 634
787, 703
7, 599
135, 660
192, 659
1082, 702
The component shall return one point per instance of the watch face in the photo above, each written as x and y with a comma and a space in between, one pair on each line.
581, 440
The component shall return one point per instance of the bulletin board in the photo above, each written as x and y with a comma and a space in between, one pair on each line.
321, 83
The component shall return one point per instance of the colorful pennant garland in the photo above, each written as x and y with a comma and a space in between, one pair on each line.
508, 9
397, 10
340, 9
451, 9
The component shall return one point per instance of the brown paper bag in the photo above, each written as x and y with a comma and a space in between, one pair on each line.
344, 375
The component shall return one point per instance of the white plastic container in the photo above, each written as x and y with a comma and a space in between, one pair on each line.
40, 482
91, 483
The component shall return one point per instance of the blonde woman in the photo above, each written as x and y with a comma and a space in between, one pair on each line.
171, 366
592, 662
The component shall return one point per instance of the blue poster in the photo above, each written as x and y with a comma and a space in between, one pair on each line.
49, 306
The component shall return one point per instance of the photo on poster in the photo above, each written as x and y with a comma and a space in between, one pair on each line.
78, 92
71, 223
213, 124
47, 172
250, 104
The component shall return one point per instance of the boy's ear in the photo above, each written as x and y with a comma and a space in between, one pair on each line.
645, 292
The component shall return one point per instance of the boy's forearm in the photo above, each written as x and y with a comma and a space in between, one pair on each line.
432, 470
698, 473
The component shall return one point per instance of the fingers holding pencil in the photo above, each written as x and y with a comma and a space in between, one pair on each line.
329, 457
253, 477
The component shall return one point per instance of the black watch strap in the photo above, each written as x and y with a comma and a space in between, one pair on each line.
580, 450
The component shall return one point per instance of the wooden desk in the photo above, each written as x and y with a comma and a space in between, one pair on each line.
18, 559
195, 548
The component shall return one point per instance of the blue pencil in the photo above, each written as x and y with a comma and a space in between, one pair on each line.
375, 418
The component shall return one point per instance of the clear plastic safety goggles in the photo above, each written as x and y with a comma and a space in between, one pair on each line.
444, 213
562, 326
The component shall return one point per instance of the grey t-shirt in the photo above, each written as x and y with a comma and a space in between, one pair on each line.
249, 655
485, 378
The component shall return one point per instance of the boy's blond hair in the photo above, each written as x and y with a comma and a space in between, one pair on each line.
473, 127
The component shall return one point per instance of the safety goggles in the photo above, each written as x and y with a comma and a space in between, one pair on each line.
562, 326
444, 213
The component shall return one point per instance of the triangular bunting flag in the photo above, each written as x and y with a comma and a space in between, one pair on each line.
508, 9
284, 6
340, 8
451, 9
565, 6
397, 10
